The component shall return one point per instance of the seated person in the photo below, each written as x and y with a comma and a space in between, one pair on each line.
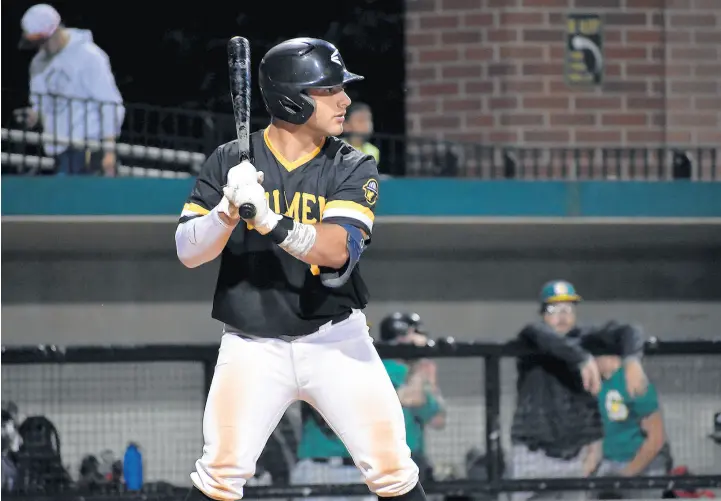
417, 386
358, 129
634, 439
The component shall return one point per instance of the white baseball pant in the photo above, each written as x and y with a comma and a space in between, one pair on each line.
338, 371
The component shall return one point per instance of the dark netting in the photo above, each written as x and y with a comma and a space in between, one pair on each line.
98, 409
689, 394
462, 384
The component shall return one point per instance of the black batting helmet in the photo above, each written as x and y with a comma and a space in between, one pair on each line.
294, 66
397, 324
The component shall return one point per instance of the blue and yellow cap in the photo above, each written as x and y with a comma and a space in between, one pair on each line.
559, 291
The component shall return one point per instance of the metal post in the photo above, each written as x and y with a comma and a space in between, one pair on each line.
492, 367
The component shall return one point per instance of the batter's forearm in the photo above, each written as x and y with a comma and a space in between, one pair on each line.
330, 249
202, 239
319, 244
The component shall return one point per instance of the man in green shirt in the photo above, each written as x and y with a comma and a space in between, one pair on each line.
322, 456
634, 440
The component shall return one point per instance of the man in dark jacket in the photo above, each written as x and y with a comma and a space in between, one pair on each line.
557, 428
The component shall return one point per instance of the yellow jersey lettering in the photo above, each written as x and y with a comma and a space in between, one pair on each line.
307, 208
293, 208
321, 207
276, 201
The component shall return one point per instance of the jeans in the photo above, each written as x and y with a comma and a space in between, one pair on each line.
79, 162
657, 468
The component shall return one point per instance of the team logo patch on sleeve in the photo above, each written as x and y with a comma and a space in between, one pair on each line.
370, 191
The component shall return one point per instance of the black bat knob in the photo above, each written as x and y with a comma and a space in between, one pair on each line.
247, 211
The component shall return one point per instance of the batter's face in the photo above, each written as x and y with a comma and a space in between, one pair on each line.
330, 108
561, 317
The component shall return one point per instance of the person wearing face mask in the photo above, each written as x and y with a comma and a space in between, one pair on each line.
556, 430
416, 383
73, 94
358, 129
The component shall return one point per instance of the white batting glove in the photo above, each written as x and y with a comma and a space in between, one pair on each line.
244, 173
253, 193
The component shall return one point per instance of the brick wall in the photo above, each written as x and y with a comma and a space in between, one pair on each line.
491, 71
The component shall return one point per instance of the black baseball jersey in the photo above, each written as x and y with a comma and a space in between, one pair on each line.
261, 289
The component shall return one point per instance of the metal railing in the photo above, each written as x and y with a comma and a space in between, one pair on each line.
418, 157
148, 140
102, 397
173, 142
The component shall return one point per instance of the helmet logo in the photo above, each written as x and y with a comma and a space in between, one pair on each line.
335, 57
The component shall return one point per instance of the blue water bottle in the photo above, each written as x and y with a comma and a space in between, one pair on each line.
133, 468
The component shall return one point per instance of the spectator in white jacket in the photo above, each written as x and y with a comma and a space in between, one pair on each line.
72, 92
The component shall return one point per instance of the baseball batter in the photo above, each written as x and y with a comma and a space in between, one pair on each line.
289, 290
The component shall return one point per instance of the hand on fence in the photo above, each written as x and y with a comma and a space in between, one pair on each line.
109, 163
591, 377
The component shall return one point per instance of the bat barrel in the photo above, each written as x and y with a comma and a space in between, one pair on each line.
239, 64
239, 72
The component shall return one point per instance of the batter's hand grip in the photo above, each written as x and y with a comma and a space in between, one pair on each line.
247, 211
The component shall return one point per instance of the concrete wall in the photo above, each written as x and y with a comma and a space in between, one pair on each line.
153, 299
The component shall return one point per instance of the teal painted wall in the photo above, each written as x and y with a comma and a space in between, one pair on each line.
399, 197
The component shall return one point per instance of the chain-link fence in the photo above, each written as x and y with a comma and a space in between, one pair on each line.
102, 399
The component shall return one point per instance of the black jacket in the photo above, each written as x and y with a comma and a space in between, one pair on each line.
554, 413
